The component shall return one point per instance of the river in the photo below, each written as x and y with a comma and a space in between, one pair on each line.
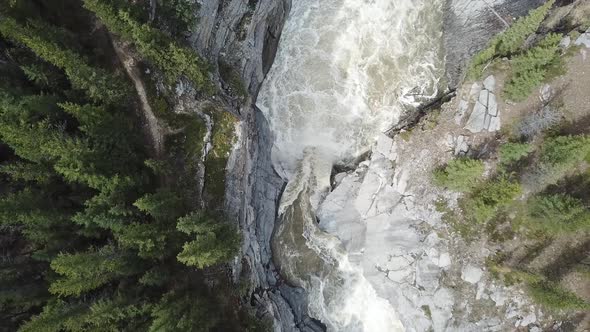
345, 71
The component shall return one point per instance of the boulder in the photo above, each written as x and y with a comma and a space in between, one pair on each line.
490, 83
471, 274
584, 39
476, 122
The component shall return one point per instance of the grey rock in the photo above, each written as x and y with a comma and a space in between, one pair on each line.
461, 111
565, 42
487, 121
471, 274
527, 320
495, 124
231, 31
483, 98
475, 90
492, 105
584, 39
476, 124
490, 83
444, 260
461, 145
546, 93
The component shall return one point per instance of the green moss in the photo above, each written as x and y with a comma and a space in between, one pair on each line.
406, 134
222, 138
427, 311
553, 296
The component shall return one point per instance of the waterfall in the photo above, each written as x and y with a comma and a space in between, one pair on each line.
345, 71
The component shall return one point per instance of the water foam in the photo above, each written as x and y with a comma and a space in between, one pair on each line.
344, 71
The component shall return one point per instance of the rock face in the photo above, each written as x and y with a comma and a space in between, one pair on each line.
245, 36
485, 114
470, 24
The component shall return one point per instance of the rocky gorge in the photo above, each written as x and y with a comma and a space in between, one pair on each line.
431, 279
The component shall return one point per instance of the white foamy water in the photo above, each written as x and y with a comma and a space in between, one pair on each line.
344, 71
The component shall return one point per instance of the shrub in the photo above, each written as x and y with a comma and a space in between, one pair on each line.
491, 196
513, 152
557, 214
530, 69
559, 156
540, 121
553, 296
459, 174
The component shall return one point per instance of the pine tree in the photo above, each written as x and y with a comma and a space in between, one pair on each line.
83, 272
510, 41
558, 214
183, 311
215, 242
513, 39
100, 85
174, 60
529, 69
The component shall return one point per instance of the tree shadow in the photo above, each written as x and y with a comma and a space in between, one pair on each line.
566, 261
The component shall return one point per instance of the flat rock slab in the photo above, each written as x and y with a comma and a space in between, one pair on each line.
476, 122
490, 83
471, 274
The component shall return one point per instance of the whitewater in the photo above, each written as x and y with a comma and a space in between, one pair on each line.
345, 71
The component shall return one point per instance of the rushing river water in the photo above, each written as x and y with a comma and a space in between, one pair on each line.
344, 72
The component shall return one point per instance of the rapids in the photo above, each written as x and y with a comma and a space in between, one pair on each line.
345, 71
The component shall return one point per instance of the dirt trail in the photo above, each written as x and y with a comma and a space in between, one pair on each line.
153, 129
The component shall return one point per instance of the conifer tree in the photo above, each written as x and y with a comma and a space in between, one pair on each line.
100, 85
83, 272
174, 60
558, 213
215, 242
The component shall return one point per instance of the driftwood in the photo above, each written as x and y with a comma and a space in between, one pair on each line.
415, 116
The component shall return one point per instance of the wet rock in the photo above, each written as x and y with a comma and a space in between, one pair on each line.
471, 274
584, 39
